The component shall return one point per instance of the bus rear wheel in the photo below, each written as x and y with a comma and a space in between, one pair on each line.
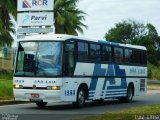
129, 97
41, 104
81, 97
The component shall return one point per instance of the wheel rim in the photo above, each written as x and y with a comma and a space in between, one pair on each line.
130, 94
81, 98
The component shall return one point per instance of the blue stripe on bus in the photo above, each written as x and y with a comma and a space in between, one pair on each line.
111, 70
114, 91
90, 95
115, 94
90, 98
97, 71
118, 72
91, 92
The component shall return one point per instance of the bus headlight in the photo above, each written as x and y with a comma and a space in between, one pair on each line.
53, 87
18, 86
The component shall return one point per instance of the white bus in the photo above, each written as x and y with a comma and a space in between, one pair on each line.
59, 68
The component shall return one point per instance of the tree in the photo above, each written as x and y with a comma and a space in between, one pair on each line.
136, 33
120, 33
68, 18
126, 31
6, 26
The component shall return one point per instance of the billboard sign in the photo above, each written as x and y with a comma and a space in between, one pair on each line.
34, 30
35, 5
35, 19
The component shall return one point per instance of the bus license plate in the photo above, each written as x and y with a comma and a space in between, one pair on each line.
33, 95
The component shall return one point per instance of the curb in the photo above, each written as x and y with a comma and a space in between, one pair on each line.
12, 102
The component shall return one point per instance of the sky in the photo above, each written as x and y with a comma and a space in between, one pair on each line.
104, 14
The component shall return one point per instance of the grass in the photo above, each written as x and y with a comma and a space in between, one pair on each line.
129, 114
6, 89
6, 76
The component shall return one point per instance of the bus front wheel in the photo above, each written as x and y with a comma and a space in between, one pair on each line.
81, 97
41, 104
129, 97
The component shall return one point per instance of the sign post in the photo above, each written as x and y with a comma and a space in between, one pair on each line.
33, 14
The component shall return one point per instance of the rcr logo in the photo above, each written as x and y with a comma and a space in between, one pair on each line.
39, 2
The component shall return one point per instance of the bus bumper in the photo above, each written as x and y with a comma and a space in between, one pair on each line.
38, 95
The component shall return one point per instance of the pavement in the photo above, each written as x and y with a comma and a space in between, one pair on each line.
65, 111
149, 92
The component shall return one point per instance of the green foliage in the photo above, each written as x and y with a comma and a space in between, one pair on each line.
6, 39
121, 33
68, 18
153, 72
6, 26
129, 114
7, 76
126, 32
132, 32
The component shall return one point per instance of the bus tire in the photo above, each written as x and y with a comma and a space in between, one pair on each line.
81, 98
129, 97
41, 104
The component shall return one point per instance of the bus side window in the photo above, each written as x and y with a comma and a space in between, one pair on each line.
69, 59
136, 58
143, 57
128, 55
82, 51
118, 55
106, 53
95, 52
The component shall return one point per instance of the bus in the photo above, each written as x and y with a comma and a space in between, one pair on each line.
66, 68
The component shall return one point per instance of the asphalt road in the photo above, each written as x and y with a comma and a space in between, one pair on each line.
61, 111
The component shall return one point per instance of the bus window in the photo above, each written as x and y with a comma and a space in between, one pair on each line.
118, 55
127, 55
106, 53
95, 52
98, 52
39, 59
82, 51
69, 58
143, 57
136, 57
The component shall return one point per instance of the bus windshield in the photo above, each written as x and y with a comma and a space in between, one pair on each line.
39, 59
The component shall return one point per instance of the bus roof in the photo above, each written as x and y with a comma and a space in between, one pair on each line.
63, 37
